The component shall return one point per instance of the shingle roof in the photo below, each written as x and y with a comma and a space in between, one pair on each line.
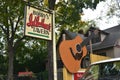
111, 38
113, 29
109, 41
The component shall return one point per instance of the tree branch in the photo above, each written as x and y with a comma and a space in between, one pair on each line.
3, 29
6, 24
17, 23
12, 27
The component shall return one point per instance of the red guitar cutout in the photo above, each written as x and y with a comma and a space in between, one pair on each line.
73, 51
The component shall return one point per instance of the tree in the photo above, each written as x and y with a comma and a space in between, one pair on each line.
11, 28
11, 14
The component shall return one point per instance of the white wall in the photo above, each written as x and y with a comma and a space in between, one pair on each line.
102, 36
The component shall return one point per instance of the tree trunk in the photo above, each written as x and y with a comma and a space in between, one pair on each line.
10, 66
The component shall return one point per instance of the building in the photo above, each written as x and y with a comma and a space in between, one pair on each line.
108, 43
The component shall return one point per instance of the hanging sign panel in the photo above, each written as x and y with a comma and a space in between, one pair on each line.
38, 23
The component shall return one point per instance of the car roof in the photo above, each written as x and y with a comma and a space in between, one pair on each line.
107, 60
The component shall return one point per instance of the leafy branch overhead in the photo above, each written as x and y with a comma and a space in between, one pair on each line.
68, 13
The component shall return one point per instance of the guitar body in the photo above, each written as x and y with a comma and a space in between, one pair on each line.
70, 55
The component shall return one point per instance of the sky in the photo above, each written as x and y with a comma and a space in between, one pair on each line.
99, 15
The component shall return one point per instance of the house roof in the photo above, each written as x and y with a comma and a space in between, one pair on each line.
112, 36
113, 29
109, 41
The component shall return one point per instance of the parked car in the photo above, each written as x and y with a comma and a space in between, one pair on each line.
103, 70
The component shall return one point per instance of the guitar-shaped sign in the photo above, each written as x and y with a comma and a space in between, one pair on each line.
73, 51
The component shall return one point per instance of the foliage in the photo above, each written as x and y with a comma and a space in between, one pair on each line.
31, 55
11, 36
3, 64
68, 14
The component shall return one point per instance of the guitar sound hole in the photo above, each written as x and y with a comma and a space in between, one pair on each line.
78, 47
77, 56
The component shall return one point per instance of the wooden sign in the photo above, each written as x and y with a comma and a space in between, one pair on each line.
73, 51
38, 23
